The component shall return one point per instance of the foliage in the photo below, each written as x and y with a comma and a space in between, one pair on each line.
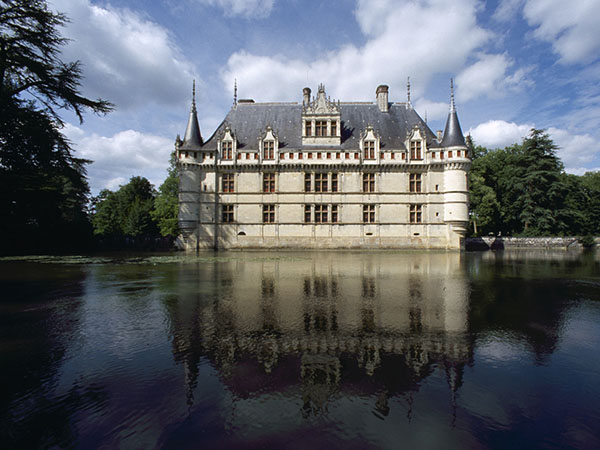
522, 189
43, 189
166, 204
125, 212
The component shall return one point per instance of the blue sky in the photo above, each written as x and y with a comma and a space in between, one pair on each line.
517, 64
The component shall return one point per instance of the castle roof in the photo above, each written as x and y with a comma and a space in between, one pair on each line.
248, 121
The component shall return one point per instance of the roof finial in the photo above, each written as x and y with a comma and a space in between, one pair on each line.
452, 107
234, 92
408, 89
194, 95
426, 116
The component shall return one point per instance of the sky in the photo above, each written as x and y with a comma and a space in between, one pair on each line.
516, 64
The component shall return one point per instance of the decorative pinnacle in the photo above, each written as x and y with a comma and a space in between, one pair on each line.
194, 95
234, 92
408, 88
452, 106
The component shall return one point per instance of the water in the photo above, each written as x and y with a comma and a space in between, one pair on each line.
301, 350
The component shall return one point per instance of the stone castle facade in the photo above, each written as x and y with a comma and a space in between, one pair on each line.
323, 174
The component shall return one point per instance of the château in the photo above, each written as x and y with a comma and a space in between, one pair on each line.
323, 174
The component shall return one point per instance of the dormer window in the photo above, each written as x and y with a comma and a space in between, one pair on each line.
369, 149
416, 150
268, 150
227, 144
227, 150
268, 144
321, 120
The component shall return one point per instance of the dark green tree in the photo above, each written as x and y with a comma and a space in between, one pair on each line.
127, 211
43, 189
166, 204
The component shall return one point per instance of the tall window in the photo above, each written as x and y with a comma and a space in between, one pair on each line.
227, 149
227, 213
268, 182
368, 182
268, 150
369, 147
320, 182
307, 182
268, 213
334, 213
227, 182
415, 182
415, 214
334, 182
308, 125
321, 128
369, 213
321, 213
415, 150
307, 214
334, 127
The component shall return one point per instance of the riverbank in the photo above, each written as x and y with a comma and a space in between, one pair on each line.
501, 243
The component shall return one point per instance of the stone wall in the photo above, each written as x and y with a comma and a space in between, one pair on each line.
500, 243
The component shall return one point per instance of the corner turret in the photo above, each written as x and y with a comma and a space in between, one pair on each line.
453, 135
192, 139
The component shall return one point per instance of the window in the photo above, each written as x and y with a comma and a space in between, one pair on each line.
308, 128
334, 213
227, 211
307, 213
291, 156
239, 156
300, 155
227, 150
368, 182
319, 155
334, 182
415, 214
393, 155
307, 182
268, 150
369, 213
268, 213
449, 153
321, 213
369, 147
309, 155
227, 182
268, 182
334, 128
415, 150
415, 182
320, 182
321, 128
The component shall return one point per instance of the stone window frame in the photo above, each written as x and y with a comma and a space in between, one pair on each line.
228, 182
268, 213
415, 183
368, 182
227, 213
369, 212
268, 185
415, 213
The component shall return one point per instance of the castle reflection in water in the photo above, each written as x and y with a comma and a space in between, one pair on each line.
376, 323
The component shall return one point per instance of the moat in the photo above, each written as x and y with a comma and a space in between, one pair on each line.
381, 349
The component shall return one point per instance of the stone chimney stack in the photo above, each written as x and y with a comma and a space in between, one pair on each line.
306, 94
439, 135
382, 97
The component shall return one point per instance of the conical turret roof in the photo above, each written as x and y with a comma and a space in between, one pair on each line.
192, 139
453, 135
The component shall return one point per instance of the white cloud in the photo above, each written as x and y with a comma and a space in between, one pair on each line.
574, 150
119, 157
416, 38
507, 10
244, 8
433, 110
571, 27
126, 59
498, 133
488, 77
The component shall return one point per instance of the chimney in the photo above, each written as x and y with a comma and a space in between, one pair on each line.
306, 94
439, 135
382, 97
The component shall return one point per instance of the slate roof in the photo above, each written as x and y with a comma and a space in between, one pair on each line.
249, 120
192, 139
453, 135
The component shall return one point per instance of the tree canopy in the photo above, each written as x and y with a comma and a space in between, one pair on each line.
523, 190
43, 188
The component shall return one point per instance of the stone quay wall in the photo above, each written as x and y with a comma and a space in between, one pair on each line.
501, 243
